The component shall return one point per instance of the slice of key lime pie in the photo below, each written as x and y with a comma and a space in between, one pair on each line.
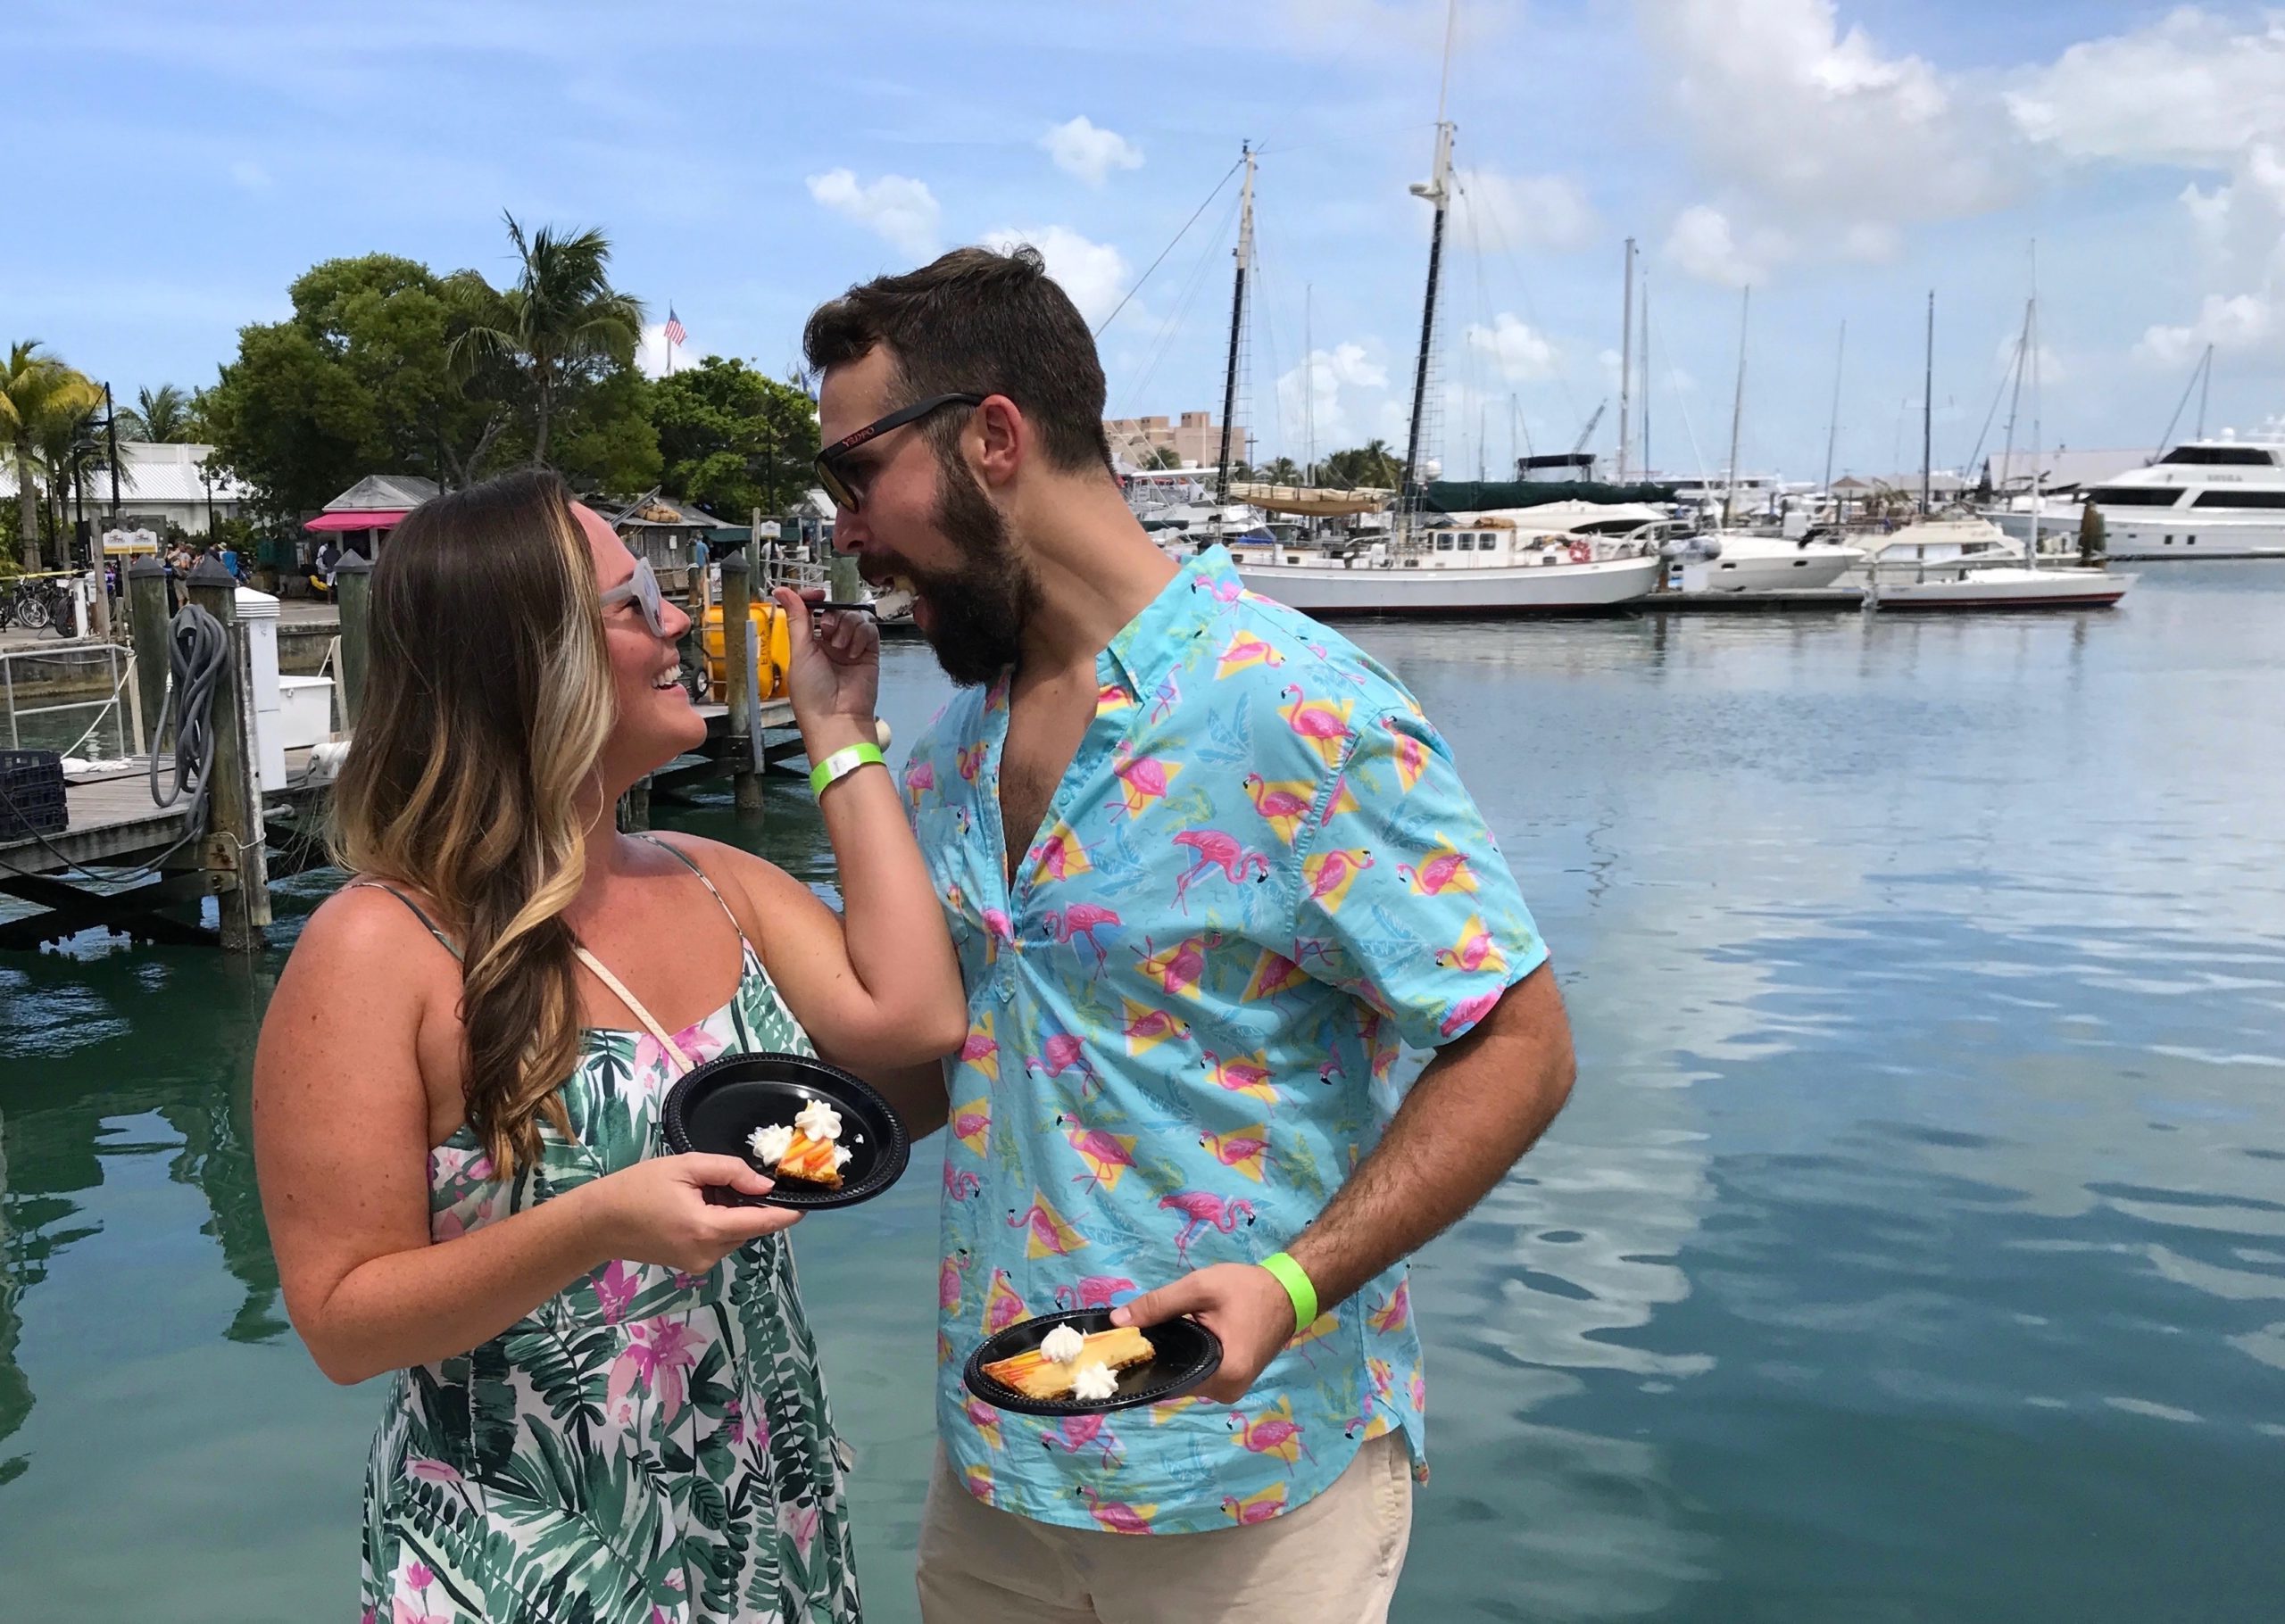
1066, 1364
808, 1151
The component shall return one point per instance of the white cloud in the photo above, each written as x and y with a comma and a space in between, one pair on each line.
1079, 148
248, 176
1801, 123
1703, 243
2237, 322
900, 210
1546, 211
1325, 390
1095, 274
2190, 88
1521, 352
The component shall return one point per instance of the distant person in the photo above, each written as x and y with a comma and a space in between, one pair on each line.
230, 556
322, 569
1210, 872
606, 1402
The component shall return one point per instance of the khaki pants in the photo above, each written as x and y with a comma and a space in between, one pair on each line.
1331, 1560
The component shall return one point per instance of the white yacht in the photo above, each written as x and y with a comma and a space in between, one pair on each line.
1972, 564
1468, 566
1737, 561
2207, 498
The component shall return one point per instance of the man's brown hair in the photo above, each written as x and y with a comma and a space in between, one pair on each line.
978, 322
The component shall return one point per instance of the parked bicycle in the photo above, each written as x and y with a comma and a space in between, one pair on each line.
36, 603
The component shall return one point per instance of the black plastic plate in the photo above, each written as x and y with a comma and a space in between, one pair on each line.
1188, 1355
716, 1106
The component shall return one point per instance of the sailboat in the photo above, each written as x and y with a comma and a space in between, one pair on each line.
1492, 563
2003, 586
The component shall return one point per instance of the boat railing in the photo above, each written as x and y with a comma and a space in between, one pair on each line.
32, 678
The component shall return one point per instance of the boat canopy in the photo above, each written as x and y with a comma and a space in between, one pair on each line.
1478, 495
1309, 502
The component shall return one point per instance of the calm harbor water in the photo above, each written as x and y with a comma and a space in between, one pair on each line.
1913, 1248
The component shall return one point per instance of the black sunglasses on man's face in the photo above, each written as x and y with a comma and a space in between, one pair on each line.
830, 459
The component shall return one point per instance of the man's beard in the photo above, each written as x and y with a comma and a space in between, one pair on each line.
976, 609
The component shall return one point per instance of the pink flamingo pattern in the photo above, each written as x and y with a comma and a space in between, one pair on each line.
1202, 1209
1275, 1433
1079, 921
1115, 1516
1092, 1291
1144, 781
1216, 849
1443, 869
1263, 885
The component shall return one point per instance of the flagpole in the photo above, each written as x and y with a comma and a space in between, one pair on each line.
670, 341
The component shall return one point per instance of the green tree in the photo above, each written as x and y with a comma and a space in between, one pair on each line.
561, 324
2094, 540
361, 379
39, 397
1164, 458
733, 438
1284, 471
603, 437
163, 414
1371, 465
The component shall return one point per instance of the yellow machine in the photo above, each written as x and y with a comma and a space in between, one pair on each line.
770, 638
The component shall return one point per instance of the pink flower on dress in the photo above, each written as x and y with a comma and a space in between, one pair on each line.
658, 1354
419, 1576
403, 1612
615, 1292
696, 1045
429, 1471
446, 1225
801, 1522
735, 1414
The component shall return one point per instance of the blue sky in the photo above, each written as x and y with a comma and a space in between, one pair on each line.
1844, 156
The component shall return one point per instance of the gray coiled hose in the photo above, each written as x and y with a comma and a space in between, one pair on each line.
197, 645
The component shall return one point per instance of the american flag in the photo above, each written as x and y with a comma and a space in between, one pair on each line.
675, 335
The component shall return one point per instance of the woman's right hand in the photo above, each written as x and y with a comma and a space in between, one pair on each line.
656, 1211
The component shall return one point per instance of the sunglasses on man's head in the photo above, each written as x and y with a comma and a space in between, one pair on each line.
832, 461
641, 588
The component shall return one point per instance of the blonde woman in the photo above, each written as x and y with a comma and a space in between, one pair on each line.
606, 1402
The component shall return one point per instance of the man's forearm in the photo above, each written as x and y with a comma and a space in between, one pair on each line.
1482, 1103
917, 1094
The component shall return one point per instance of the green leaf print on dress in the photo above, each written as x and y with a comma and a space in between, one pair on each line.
645, 1447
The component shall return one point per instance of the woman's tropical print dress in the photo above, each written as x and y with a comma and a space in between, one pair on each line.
647, 1448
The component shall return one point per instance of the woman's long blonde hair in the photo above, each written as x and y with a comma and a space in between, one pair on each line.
488, 701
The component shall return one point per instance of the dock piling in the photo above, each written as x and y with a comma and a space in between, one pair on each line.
147, 627
236, 838
353, 581
739, 651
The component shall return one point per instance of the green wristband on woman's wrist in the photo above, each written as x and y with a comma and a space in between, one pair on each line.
1298, 1286
842, 763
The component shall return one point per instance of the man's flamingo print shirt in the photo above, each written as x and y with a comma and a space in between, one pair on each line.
1196, 1000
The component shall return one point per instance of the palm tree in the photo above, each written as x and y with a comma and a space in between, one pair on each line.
1284, 471
561, 319
38, 393
164, 415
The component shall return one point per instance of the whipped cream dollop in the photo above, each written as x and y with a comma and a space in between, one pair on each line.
1062, 1345
1092, 1383
819, 1120
770, 1145
841, 1155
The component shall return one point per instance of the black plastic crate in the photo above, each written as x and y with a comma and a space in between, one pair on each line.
31, 793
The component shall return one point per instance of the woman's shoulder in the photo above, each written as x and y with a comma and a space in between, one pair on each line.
376, 923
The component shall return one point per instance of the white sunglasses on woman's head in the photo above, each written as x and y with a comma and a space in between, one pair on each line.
642, 588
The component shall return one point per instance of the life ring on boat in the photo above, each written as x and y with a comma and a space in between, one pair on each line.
1582, 553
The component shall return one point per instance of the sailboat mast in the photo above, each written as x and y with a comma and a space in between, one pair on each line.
1647, 464
1309, 393
1438, 192
1737, 410
1237, 324
1626, 363
2030, 357
1928, 406
2205, 384
1832, 422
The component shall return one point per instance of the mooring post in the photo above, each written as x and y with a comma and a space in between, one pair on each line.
235, 837
634, 808
146, 629
848, 585
353, 593
739, 652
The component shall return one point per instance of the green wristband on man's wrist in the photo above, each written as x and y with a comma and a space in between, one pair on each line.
1298, 1286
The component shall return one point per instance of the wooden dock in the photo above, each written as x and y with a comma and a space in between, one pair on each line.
124, 863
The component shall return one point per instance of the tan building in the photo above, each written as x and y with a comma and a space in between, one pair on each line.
1195, 439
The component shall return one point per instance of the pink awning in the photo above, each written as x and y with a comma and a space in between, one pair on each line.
383, 520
